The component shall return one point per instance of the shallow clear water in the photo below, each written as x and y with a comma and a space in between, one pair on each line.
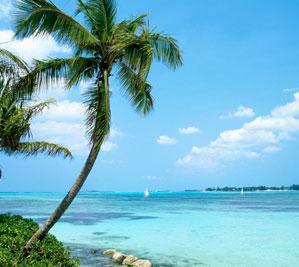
174, 229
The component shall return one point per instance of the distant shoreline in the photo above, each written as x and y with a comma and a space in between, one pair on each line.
208, 190
262, 188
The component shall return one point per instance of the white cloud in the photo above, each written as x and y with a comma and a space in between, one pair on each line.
65, 110
282, 124
114, 132
261, 136
188, 130
108, 146
69, 134
64, 123
56, 90
32, 47
290, 109
242, 112
243, 138
166, 140
213, 157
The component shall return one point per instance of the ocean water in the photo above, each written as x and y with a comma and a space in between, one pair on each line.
174, 229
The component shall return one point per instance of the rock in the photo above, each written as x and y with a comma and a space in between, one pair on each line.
142, 263
93, 251
118, 257
109, 252
129, 260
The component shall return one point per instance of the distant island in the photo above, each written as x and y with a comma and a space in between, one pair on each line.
252, 188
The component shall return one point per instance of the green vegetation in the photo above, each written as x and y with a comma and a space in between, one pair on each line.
252, 188
17, 110
102, 47
15, 231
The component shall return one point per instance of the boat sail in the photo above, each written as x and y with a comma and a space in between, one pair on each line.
146, 193
242, 191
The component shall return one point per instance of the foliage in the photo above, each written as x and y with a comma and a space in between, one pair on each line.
102, 47
16, 112
252, 188
15, 231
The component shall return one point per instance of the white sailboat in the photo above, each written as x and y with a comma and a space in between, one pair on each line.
146, 193
242, 191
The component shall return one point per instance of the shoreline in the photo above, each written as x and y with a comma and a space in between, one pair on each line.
152, 192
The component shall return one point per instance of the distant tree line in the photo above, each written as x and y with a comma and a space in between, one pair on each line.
252, 188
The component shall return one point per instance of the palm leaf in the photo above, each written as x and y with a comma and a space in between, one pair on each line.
50, 72
96, 99
34, 110
34, 148
14, 60
165, 49
137, 89
137, 23
100, 15
41, 17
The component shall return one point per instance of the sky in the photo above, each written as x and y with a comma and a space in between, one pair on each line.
228, 116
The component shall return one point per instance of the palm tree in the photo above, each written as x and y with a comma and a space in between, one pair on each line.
16, 114
102, 47
15, 120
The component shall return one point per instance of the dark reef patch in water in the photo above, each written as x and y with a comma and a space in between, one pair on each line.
99, 233
272, 208
92, 218
135, 218
82, 218
116, 237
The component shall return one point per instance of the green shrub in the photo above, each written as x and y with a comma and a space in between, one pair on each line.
15, 231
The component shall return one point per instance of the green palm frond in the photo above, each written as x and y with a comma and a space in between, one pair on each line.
137, 89
24, 86
100, 15
12, 59
50, 72
4, 87
165, 49
12, 67
34, 148
100, 45
7, 71
40, 17
91, 101
82, 69
96, 99
17, 74
137, 23
34, 110
139, 56
82, 8
17, 111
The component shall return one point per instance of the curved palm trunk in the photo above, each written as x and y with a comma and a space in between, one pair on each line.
103, 118
68, 199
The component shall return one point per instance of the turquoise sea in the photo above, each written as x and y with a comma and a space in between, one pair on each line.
174, 228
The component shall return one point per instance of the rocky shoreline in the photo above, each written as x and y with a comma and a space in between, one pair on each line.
126, 260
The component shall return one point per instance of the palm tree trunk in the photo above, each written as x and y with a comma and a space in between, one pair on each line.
68, 199
103, 121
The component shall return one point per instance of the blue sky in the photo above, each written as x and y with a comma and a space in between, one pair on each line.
229, 116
